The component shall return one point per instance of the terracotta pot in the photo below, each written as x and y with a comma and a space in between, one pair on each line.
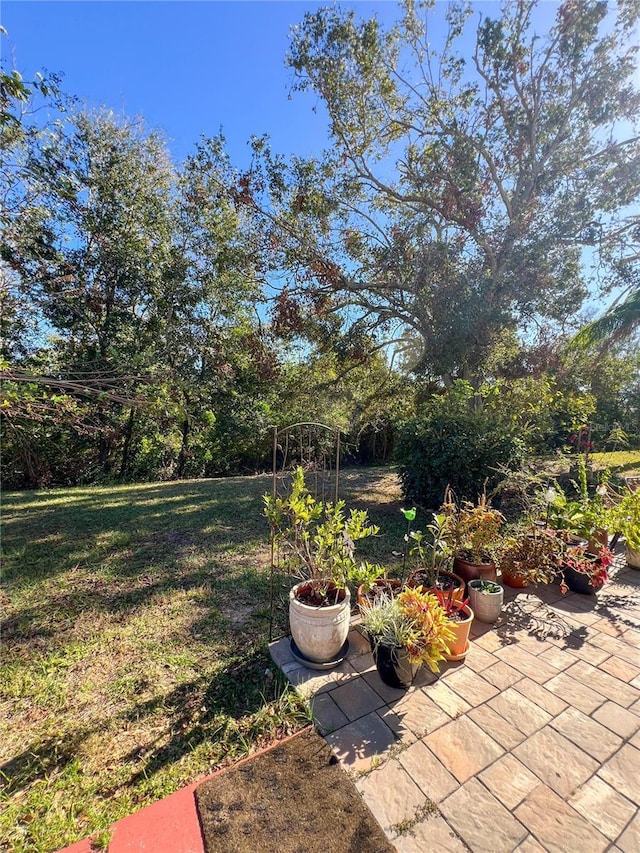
459, 646
514, 580
367, 594
456, 580
393, 667
475, 571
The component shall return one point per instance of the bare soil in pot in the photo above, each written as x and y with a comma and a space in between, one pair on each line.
291, 798
319, 594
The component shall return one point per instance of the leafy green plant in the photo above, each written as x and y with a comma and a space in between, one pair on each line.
431, 553
532, 556
588, 512
625, 518
317, 539
413, 620
471, 530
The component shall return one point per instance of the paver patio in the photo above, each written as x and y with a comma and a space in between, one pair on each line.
531, 744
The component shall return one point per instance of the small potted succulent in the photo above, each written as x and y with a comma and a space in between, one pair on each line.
317, 543
583, 572
407, 631
485, 598
473, 534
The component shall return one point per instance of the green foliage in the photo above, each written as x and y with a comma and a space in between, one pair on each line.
316, 538
414, 620
453, 442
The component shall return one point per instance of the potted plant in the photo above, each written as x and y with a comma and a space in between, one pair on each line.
473, 534
583, 572
485, 599
584, 519
460, 617
406, 631
625, 519
317, 543
433, 559
530, 557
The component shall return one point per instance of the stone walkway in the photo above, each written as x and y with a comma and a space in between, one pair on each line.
531, 744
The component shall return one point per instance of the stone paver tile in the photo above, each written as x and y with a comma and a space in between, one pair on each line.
520, 711
610, 687
502, 731
415, 712
556, 761
619, 648
509, 780
471, 687
361, 744
490, 642
429, 774
280, 651
463, 748
478, 659
530, 845
586, 651
391, 794
623, 772
635, 740
632, 636
526, 663
603, 806
575, 693
635, 707
557, 826
326, 714
531, 643
502, 675
447, 699
434, 833
363, 663
481, 821
587, 733
621, 669
629, 841
618, 719
543, 698
356, 698
358, 644
608, 627
558, 658
388, 694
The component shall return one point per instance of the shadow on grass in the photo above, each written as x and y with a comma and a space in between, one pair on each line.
38, 760
221, 710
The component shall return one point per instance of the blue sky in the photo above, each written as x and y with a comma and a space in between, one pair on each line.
188, 67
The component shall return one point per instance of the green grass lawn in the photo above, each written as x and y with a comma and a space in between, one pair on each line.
134, 653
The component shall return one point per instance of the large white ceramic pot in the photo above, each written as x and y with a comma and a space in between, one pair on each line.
633, 558
319, 632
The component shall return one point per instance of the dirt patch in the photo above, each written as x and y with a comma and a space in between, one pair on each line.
295, 796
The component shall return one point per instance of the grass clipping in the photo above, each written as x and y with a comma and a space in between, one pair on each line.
295, 795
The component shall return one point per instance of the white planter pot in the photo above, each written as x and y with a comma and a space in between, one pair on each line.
633, 558
487, 606
319, 632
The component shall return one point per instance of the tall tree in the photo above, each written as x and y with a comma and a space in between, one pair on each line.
462, 185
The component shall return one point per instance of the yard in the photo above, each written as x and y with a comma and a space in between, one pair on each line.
135, 644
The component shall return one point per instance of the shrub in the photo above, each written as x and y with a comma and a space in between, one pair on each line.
454, 440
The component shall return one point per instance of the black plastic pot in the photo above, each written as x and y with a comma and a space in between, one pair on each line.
393, 667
